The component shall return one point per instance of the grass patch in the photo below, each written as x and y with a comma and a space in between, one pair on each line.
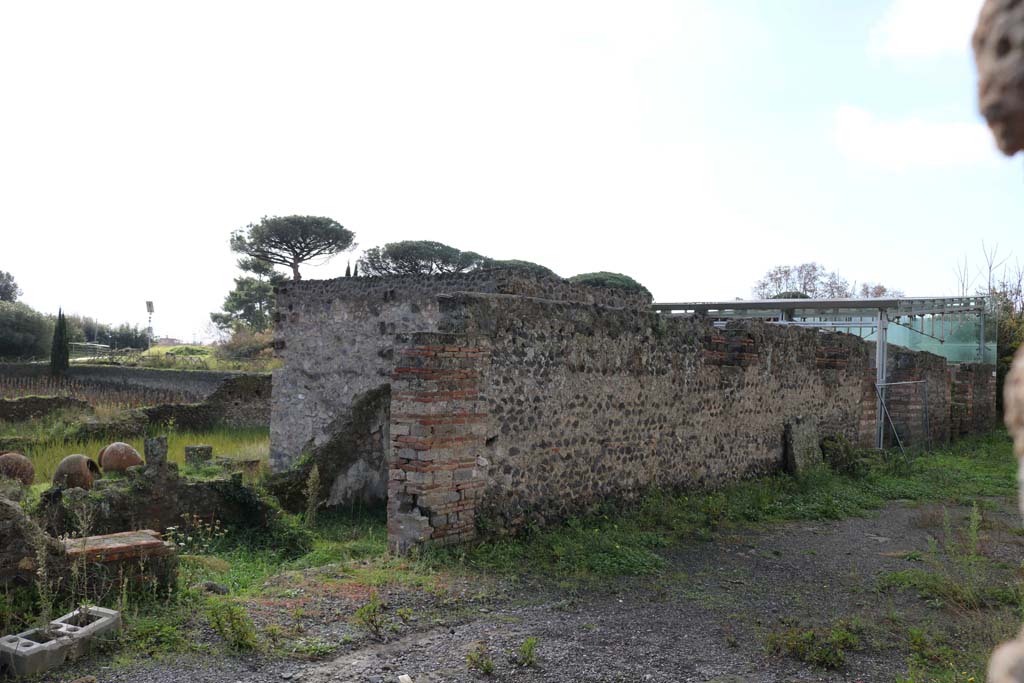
826, 647
232, 442
616, 542
957, 573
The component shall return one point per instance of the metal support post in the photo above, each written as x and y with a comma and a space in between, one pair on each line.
881, 358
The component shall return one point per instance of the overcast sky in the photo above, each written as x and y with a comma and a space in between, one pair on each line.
692, 145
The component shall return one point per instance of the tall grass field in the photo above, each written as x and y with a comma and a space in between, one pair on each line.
236, 443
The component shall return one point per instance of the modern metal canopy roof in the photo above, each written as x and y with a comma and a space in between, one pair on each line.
813, 307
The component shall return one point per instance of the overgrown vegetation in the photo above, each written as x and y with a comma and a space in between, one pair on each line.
826, 648
479, 658
609, 280
954, 574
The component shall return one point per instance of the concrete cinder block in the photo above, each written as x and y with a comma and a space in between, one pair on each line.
67, 638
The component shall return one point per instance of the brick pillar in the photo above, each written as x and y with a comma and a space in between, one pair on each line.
438, 428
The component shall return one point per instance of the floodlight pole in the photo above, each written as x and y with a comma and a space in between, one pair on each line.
881, 358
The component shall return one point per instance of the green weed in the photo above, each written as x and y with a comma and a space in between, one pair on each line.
526, 655
824, 648
479, 658
232, 623
371, 617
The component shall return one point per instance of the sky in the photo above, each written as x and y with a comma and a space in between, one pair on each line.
692, 145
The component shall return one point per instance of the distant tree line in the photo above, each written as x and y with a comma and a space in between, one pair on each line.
293, 240
27, 333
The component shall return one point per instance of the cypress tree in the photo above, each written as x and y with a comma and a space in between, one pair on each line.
348, 269
60, 357
355, 271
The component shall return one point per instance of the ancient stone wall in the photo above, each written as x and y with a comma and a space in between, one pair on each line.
585, 404
242, 401
508, 408
239, 401
33, 407
336, 338
971, 411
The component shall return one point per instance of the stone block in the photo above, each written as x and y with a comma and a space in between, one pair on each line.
156, 451
801, 445
198, 455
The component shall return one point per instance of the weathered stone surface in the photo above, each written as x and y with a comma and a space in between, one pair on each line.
34, 407
17, 467
76, 471
241, 401
141, 558
802, 449
23, 544
118, 457
156, 451
38, 650
352, 463
517, 406
337, 339
198, 455
999, 54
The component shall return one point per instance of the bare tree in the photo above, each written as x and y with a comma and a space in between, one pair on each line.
815, 281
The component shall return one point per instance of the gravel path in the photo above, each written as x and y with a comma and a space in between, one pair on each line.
704, 619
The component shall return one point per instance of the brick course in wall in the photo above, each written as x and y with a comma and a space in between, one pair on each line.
438, 423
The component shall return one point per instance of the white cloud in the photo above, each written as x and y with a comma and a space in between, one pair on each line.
909, 142
920, 29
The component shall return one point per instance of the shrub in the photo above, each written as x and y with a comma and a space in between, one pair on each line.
843, 457
516, 264
245, 344
371, 617
610, 281
24, 332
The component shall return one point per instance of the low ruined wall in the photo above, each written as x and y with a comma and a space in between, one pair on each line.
196, 383
242, 401
32, 407
239, 401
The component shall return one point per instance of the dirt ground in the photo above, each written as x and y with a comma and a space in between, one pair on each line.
706, 617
